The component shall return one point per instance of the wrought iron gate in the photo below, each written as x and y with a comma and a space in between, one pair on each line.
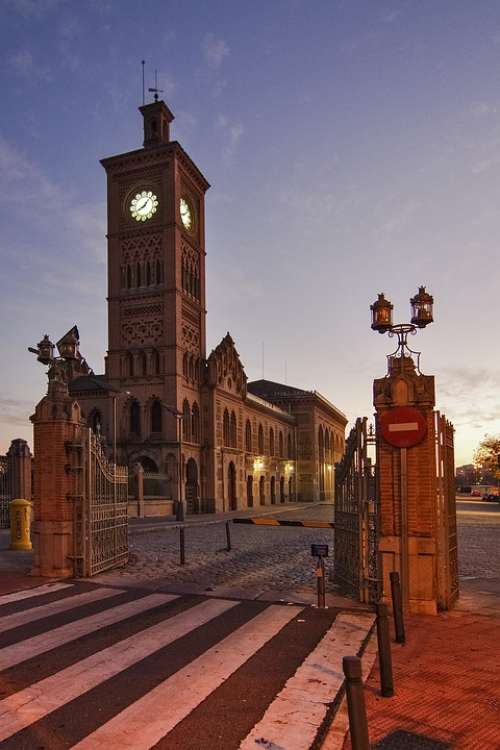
101, 520
446, 508
356, 555
4, 494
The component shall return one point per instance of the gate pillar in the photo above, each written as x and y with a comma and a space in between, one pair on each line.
58, 479
19, 469
408, 520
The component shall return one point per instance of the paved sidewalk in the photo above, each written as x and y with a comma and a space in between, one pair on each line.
446, 678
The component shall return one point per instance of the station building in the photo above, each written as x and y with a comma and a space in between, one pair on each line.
240, 443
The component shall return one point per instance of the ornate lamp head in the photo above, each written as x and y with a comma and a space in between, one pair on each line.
68, 345
381, 314
45, 351
421, 308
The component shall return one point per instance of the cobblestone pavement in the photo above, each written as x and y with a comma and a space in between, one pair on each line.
266, 557
479, 540
279, 558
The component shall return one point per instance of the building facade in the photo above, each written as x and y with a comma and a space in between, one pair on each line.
162, 401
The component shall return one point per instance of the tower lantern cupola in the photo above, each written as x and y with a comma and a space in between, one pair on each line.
157, 119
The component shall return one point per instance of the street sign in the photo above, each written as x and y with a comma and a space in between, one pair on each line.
403, 426
319, 550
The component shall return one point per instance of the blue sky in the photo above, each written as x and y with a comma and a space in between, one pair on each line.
353, 147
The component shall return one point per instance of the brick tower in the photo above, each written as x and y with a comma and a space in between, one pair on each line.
156, 289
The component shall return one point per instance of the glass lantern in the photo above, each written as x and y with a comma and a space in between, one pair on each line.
421, 308
68, 345
381, 314
45, 350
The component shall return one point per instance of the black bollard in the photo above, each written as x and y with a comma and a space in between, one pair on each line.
182, 545
384, 651
358, 723
228, 537
397, 607
320, 575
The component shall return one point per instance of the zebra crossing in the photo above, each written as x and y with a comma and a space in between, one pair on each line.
89, 667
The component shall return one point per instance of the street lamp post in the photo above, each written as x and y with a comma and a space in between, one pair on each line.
179, 508
421, 316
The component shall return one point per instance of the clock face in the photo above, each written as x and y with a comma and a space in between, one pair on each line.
143, 205
186, 214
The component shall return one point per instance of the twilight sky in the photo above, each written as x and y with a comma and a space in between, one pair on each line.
353, 147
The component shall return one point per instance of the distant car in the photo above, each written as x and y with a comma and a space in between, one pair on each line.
492, 498
475, 493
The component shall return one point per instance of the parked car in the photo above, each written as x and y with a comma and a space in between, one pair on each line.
492, 498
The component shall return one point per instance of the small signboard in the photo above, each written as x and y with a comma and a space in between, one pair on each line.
319, 550
403, 427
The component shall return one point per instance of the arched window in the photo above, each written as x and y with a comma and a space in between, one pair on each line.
225, 428
195, 423
155, 361
185, 364
159, 278
289, 446
148, 465
144, 364
191, 368
280, 444
138, 275
186, 421
130, 364
261, 440
148, 273
135, 418
156, 417
248, 436
129, 277
271, 441
234, 439
321, 444
327, 447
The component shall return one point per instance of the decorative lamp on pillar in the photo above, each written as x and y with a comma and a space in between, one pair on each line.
45, 350
421, 308
382, 314
68, 345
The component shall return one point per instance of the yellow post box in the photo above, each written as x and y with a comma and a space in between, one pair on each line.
20, 516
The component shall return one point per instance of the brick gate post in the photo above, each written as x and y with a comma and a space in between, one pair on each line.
408, 518
58, 479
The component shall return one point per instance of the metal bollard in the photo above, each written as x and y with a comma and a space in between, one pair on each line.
320, 575
397, 607
182, 545
384, 651
358, 724
228, 537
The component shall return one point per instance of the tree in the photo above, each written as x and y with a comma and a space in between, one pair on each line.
487, 455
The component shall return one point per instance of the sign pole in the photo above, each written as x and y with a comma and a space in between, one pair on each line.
404, 527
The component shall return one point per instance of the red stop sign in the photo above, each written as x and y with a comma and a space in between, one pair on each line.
403, 426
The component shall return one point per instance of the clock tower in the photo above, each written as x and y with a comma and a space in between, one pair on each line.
156, 290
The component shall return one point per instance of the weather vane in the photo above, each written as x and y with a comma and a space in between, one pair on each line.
156, 90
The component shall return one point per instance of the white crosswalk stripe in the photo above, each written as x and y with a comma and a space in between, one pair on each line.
46, 588
136, 686
54, 608
11, 655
